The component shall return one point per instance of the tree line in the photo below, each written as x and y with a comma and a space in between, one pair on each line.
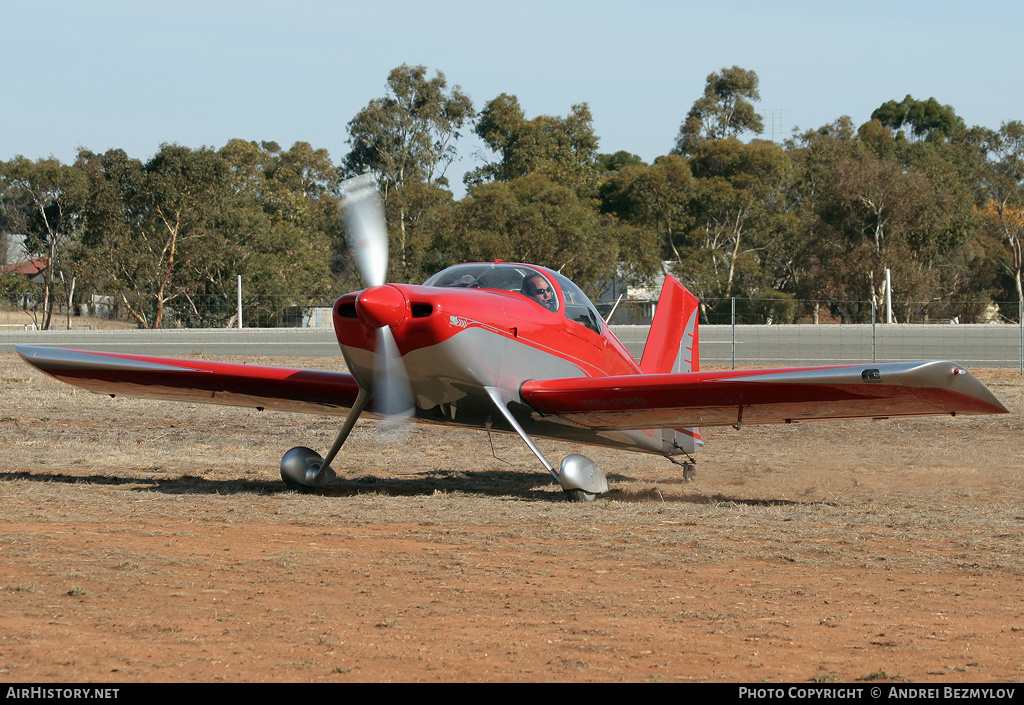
820, 217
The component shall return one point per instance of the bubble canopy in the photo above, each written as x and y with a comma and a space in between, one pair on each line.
505, 276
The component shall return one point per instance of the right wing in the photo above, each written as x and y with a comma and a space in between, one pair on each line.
734, 397
202, 381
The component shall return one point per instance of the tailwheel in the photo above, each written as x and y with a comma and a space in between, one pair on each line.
689, 467
579, 496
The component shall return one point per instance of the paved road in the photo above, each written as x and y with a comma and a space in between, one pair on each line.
971, 345
288, 342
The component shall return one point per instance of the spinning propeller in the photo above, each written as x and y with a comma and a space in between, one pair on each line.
380, 307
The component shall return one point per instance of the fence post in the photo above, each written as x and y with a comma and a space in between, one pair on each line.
734, 332
874, 315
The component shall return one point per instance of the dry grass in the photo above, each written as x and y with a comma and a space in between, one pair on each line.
18, 317
150, 541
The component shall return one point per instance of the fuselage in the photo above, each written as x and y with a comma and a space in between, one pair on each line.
459, 339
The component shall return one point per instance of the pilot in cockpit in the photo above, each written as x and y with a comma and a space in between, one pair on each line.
539, 289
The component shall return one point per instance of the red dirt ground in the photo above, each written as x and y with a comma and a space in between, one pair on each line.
144, 541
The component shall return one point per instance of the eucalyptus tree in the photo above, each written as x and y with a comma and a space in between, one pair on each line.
538, 220
149, 228
740, 216
564, 149
176, 231
617, 162
869, 200
42, 198
408, 136
1004, 183
658, 197
926, 119
725, 110
275, 226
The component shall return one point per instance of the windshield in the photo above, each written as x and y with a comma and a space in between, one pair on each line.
535, 283
577, 306
517, 278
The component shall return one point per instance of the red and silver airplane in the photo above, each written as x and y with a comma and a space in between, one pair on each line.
520, 348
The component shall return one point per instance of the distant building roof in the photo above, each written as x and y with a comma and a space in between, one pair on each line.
29, 269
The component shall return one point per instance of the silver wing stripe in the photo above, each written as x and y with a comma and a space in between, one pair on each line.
60, 359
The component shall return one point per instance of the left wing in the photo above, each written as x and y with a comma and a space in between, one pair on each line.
762, 396
174, 379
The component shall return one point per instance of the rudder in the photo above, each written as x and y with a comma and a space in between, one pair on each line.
672, 347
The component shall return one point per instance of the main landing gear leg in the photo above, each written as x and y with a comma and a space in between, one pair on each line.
579, 476
303, 469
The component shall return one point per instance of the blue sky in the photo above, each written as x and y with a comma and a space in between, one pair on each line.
133, 75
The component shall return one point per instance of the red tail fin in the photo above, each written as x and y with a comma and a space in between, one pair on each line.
673, 342
673, 345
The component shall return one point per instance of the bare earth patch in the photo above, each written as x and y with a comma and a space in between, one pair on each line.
146, 541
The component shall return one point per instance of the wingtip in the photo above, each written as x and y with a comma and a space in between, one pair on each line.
29, 352
964, 382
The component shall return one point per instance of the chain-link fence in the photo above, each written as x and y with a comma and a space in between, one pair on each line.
734, 332
784, 311
743, 311
769, 332
293, 311
301, 310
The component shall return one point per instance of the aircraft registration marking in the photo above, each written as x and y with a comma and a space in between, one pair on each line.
617, 400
